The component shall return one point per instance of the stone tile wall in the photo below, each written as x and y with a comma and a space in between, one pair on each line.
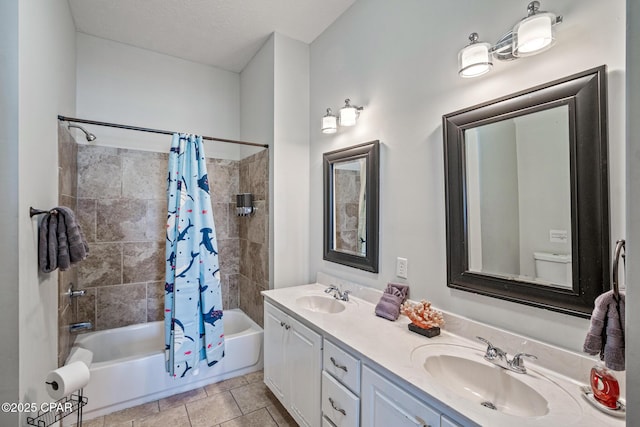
67, 196
254, 235
122, 209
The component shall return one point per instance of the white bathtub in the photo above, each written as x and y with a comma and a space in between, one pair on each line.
128, 365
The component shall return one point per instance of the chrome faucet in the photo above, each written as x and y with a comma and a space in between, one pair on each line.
499, 357
81, 326
338, 293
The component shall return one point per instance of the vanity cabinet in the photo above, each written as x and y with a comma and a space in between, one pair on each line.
385, 404
340, 386
292, 365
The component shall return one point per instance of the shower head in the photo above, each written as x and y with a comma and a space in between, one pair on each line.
90, 137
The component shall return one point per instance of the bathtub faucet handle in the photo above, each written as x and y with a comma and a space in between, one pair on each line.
73, 293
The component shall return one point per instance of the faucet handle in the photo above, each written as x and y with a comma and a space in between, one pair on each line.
331, 288
517, 364
492, 351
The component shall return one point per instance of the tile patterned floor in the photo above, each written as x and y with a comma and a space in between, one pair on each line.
238, 402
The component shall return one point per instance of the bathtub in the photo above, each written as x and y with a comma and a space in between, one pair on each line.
128, 366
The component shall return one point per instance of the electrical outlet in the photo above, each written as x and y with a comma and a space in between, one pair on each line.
401, 267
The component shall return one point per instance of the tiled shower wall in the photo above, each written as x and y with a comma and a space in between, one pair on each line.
67, 196
254, 235
122, 209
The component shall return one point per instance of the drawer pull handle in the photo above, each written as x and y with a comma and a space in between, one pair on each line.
333, 405
281, 323
337, 365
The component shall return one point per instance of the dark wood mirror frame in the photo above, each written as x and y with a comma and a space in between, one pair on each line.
585, 94
369, 151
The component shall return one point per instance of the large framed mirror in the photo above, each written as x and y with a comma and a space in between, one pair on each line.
351, 197
527, 195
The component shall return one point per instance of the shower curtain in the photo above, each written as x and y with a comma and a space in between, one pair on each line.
193, 300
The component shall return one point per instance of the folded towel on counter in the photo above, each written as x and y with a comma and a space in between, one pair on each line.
60, 240
389, 305
606, 331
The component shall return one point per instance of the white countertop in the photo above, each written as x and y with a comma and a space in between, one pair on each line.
391, 344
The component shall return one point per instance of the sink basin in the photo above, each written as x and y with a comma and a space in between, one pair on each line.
490, 386
320, 304
461, 370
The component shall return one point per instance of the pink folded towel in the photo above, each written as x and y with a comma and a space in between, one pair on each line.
606, 332
389, 305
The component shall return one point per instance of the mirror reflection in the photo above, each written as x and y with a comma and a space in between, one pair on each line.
350, 209
518, 181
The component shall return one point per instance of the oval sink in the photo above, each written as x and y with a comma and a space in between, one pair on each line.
461, 370
320, 304
489, 386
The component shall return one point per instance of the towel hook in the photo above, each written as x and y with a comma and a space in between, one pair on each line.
619, 248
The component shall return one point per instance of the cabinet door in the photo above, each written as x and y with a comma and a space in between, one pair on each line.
304, 365
275, 375
385, 404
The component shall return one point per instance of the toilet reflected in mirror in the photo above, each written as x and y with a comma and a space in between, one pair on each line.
553, 269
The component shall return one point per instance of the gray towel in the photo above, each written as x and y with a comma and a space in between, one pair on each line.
389, 305
60, 240
606, 332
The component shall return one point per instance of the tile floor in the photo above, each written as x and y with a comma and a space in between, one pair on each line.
243, 401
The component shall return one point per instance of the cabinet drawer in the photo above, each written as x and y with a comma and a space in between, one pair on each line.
342, 366
339, 405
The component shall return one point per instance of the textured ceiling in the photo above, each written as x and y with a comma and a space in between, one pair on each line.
222, 33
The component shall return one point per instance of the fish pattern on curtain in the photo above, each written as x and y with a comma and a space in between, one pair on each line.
193, 300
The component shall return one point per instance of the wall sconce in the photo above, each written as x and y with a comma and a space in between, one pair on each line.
329, 122
244, 204
531, 35
349, 113
347, 116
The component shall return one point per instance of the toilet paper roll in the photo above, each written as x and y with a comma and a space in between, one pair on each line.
80, 354
63, 381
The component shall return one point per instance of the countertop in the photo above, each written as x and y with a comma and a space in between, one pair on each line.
392, 346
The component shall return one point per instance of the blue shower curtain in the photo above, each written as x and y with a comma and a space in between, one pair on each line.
193, 300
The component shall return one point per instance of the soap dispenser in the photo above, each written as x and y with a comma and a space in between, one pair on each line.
604, 385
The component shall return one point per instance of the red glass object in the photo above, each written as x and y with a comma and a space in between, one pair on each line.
605, 387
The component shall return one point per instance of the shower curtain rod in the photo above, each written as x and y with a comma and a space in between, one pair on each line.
164, 132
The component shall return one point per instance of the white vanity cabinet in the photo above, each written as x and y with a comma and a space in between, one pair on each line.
385, 404
293, 365
340, 386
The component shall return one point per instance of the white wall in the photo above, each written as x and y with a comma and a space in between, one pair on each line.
275, 109
46, 88
291, 162
257, 113
9, 351
122, 84
633, 210
401, 63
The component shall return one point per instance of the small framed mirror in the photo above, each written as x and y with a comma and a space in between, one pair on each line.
351, 198
527, 198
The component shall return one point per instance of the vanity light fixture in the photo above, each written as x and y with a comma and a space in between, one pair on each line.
531, 35
347, 116
349, 113
329, 122
475, 59
535, 33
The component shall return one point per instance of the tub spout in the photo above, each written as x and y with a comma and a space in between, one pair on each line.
82, 326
